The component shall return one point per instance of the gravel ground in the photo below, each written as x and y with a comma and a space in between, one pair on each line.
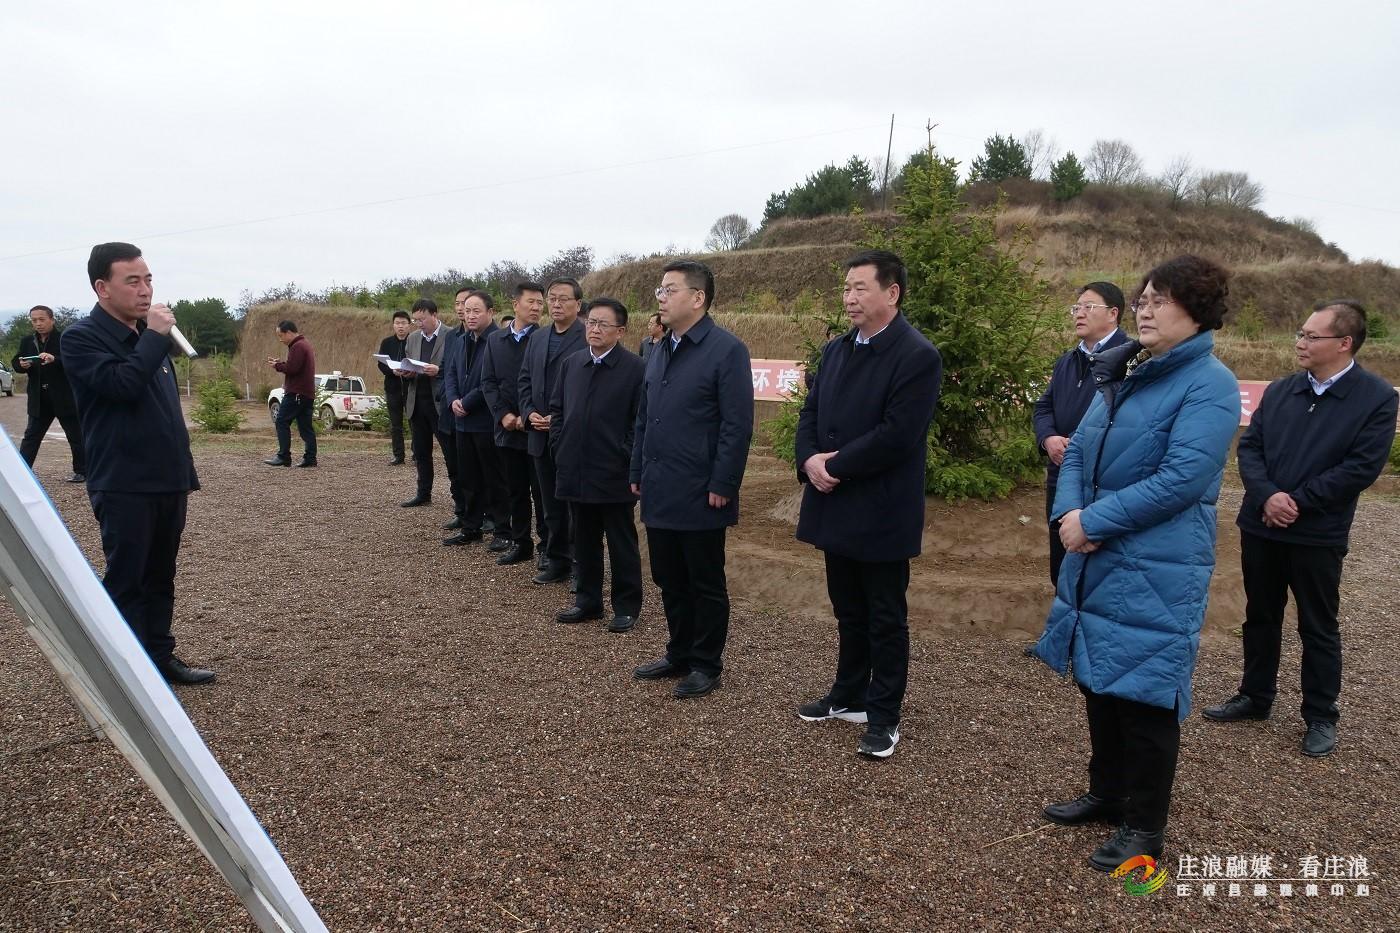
431, 752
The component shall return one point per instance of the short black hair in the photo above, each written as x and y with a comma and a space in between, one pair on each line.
889, 269
697, 275
618, 308
102, 257
464, 288
403, 314
426, 304
287, 327
569, 281
1348, 319
523, 287
1110, 293
1198, 285
44, 308
485, 297
655, 318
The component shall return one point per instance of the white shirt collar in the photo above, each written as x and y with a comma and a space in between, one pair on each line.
599, 359
864, 340
1090, 351
1320, 387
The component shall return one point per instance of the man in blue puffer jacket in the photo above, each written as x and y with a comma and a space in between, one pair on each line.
1136, 504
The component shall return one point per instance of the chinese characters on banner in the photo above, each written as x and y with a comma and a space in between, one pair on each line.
1263, 875
775, 380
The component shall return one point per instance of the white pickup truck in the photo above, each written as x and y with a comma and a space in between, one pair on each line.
341, 400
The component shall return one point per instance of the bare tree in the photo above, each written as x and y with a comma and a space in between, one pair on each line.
1042, 151
729, 232
1233, 188
1178, 179
1113, 162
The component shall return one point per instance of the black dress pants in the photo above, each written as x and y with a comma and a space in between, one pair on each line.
423, 426
688, 566
38, 426
1057, 549
393, 401
447, 440
1314, 574
558, 536
594, 521
141, 541
1134, 756
519, 476
295, 408
872, 621
483, 486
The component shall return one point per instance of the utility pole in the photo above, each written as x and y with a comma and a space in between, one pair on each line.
885, 184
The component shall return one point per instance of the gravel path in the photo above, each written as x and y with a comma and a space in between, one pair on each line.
431, 752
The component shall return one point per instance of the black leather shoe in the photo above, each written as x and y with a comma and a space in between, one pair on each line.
1085, 809
303, 462
659, 669
1236, 708
577, 614
278, 461
516, 555
78, 478
176, 671
417, 501
498, 545
397, 461
695, 684
552, 573
455, 523
1124, 844
622, 624
462, 537
1321, 738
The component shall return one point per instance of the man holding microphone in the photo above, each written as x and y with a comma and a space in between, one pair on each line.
140, 470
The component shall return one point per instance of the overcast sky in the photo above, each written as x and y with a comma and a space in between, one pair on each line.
246, 145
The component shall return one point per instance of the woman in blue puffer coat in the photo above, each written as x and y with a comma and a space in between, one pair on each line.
1136, 508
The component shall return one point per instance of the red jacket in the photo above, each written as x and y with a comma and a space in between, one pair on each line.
299, 368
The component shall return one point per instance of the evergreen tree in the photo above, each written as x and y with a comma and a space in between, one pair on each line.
1067, 178
1002, 158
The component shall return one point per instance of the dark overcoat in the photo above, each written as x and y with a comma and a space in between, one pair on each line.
500, 381
462, 380
46, 380
874, 405
693, 429
593, 414
537, 375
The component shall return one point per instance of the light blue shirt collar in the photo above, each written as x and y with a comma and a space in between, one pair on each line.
1320, 387
1090, 351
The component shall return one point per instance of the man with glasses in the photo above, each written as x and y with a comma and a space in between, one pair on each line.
540, 368
693, 428
1317, 440
592, 417
1095, 314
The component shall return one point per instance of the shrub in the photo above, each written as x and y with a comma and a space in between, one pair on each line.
377, 418
1395, 456
1248, 323
1067, 178
990, 317
217, 410
1377, 328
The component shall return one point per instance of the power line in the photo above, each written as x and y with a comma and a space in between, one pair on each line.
450, 191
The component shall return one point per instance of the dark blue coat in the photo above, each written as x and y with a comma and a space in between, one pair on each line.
874, 404
693, 429
500, 381
1321, 450
129, 406
1146, 472
1067, 397
592, 416
537, 375
462, 380
47, 380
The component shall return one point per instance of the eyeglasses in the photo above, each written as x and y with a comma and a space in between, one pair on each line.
1084, 307
591, 324
557, 300
1157, 303
666, 291
1313, 338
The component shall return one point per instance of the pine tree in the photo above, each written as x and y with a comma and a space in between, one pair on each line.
1067, 178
